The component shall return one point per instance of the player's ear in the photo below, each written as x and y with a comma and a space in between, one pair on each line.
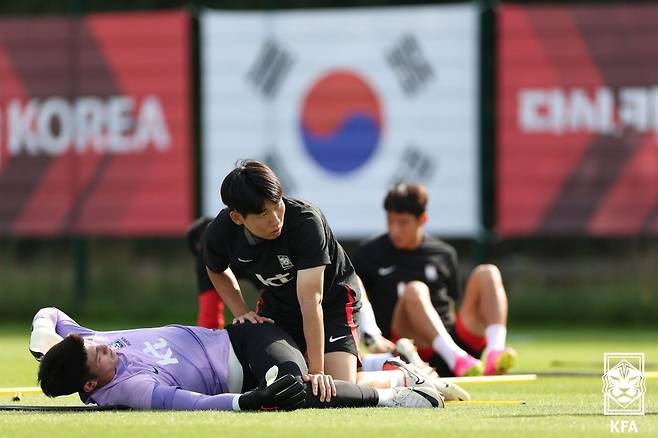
90, 385
236, 217
423, 218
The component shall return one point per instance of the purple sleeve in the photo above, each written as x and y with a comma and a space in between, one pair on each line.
141, 391
173, 398
61, 322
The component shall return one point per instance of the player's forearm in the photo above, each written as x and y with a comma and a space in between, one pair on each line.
48, 317
228, 288
314, 335
169, 398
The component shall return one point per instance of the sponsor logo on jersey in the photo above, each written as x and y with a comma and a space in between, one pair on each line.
285, 262
275, 281
338, 338
166, 358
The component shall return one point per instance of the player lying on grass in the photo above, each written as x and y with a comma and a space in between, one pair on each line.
412, 281
192, 368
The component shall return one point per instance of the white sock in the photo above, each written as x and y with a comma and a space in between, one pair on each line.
495, 335
396, 377
385, 397
447, 349
374, 362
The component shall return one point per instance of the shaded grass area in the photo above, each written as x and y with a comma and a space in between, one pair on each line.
562, 406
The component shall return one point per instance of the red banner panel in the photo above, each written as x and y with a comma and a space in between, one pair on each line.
95, 125
577, 120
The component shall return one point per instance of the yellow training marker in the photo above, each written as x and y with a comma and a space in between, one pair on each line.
651, 375
22, 390
508, 378
485, 402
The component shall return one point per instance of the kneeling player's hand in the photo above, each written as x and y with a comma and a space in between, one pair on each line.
252, 317
285, 393
322, 384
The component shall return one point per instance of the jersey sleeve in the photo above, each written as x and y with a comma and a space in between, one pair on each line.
214, 244
310, 242
59, 321
142, 391
135, 392
176, 399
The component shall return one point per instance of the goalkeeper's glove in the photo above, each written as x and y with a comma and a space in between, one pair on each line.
285, 393
43, 337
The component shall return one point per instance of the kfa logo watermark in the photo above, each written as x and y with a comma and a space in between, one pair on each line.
623, 388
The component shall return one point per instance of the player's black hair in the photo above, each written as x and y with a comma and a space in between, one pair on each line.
194, 232
63, 369
246, 188
406, 198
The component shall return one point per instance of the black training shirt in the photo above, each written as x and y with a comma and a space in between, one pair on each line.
306, 241
383, 269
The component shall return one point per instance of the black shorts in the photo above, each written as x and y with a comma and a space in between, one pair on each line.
260, 346
340, 323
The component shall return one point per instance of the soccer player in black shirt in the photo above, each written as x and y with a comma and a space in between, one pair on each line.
310, 288
412, 282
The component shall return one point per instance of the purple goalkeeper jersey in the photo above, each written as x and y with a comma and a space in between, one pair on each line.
171, 367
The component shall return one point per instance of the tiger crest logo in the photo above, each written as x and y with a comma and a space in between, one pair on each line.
624, 384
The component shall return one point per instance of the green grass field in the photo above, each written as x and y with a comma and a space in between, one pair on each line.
555, 406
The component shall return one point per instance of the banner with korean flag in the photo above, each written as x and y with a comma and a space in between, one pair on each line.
342, 104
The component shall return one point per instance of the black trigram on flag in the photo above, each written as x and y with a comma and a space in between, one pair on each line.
415, 165
410, 65
276, 163
270, 69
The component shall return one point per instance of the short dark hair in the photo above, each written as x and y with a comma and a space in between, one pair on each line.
246, 188
406, 198
63, 369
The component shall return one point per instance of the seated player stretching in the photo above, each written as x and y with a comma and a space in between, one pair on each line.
412, 281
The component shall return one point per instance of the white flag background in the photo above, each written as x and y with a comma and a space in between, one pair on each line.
342, 104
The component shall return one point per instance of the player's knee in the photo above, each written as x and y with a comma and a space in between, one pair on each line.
416, 290
488, 272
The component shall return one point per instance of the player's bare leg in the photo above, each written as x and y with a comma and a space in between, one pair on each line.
415, 317
484, 313
340, 365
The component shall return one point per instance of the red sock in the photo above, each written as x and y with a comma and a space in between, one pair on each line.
211, 310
